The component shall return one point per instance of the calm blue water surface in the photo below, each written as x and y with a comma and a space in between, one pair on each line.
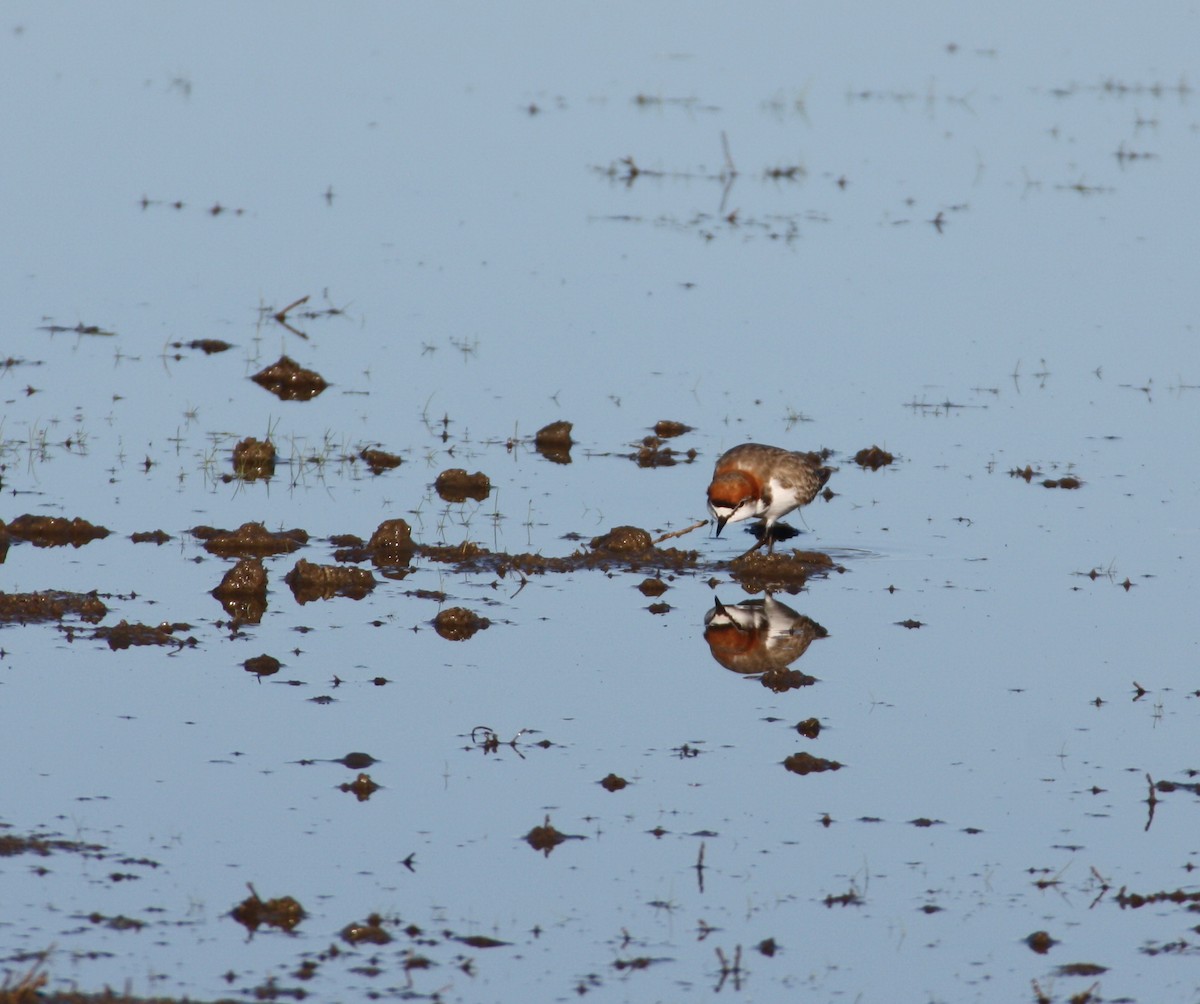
965, 237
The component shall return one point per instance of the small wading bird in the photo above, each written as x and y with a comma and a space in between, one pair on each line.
764, 482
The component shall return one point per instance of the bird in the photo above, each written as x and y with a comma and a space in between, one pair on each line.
764, 482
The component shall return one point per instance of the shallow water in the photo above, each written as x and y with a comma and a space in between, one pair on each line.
447, 188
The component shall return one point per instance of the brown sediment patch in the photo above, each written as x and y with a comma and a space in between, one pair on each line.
786, 572
1067, 482
262, 665
668, 429
781, 680
289, 381
613, 782
554, 442
54, 531
362, 787
283, 912
623, 540
1028, 473
652, 453
545, 838
873, 458
1040, 942
810, 728
806, 763
243, 591
309, 581
50, 605
150, 537
209, 346
369, 932
125, 635
652, 587
459, 623
378, 461
44, 846
249, 540
254, 459
456, 485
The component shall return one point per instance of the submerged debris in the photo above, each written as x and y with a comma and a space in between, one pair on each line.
652, 453
456, 485
545, 838
1067, 482
459, 623
254, 459
289, 381
873, 457
613, 782
53, 531
284, 912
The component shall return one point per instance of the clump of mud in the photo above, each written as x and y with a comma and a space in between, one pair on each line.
159, 537
623, 540
668, 429
209, 346
368, 932
806, 763
289, 381
126, 635
243, 591
249, 540
613, 782
554, 442
262, 665
456, 485
254, 459
873, 458
379, 461
50, 605
459, 623
362, 787
53, 531
654, 453
309, 581
252, 912
544, 838
1067, 482
783, 572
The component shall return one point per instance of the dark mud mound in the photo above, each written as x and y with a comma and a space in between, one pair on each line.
309, 581
50, 605
252, 913
378, 461
125, 635
456, 485
53, 531
873, 458
554, 442
254, 459
459, 623
780, 572
289, 381
249, 540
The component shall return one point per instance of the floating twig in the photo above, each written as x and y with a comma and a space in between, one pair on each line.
679, 533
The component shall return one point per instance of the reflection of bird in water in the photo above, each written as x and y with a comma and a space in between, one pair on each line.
766, 482
761, 636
